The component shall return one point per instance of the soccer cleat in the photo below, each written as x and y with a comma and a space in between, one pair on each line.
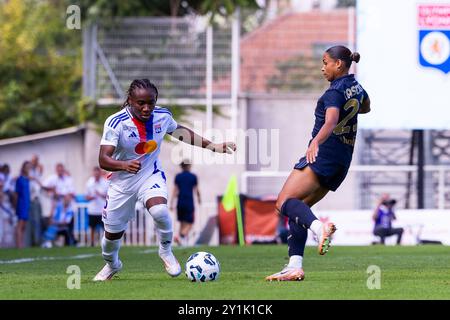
287, 274
325, 238
107, 272
171, 263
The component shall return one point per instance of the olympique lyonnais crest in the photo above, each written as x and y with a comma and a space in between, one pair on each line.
434, 36
158, 128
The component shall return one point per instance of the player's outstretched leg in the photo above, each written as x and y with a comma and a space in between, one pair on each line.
296, 243
160, 214
302, 215
110, 253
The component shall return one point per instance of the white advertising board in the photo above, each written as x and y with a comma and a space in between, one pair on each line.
355, 227
405, 63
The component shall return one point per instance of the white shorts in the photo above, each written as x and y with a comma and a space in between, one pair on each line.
121, 207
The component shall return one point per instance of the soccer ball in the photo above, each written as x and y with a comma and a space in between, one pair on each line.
202, 266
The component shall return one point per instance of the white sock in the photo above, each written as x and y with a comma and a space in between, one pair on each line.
317, 227
295, 262
163, 224
110, 251
165, 240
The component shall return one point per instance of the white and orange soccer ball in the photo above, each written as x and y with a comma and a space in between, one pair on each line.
202, 266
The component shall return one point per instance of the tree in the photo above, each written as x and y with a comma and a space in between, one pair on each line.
40, 58
110, 9
40, 64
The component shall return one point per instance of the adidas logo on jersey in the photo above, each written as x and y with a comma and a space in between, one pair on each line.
133, 135
155, 186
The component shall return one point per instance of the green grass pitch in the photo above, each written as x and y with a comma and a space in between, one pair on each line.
420, 272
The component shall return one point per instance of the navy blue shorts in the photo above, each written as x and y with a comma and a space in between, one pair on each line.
330, 173
185, 214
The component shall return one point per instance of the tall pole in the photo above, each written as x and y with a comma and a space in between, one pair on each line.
420, 169
209, 77
235, 65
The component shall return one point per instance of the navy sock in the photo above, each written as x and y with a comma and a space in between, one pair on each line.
298, 211
296, 239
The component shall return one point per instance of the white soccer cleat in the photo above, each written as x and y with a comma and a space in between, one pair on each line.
288, 274
171, 263
107, 272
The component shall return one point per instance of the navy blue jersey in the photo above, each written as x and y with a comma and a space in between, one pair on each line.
346, 94
186, 181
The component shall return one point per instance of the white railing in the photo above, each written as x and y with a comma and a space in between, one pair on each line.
141, 231
442, 188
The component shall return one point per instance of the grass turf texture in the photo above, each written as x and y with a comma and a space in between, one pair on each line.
419, 272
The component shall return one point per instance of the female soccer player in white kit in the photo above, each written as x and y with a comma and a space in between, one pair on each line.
129, 148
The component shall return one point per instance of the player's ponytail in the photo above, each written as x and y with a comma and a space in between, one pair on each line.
355, 56
344, 54
139, 83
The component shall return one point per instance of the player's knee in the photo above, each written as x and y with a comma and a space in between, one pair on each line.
161, 217
288, 205
115, 232
113, 236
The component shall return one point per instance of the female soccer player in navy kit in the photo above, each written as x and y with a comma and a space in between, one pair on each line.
129, 148
326, 162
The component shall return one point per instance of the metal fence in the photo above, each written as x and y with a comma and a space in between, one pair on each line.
141, 230
369, 182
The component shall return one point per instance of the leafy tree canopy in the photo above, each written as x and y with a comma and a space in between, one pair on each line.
40, 58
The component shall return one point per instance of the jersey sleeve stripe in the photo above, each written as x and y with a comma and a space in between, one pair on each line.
120, 116
118, 121
162, 110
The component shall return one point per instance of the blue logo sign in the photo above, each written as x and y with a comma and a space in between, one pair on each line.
434, 36
434, 49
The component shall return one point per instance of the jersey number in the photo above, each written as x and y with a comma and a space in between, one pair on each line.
341, 127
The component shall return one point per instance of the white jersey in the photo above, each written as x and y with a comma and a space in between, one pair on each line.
63, 185
96, 189
128, 135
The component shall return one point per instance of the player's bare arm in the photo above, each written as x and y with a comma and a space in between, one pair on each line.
331, 120
108, 163
188, 136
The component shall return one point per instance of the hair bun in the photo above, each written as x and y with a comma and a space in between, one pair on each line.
355, 56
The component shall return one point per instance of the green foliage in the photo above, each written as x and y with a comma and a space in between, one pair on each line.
109, 9
40, 66
41, 59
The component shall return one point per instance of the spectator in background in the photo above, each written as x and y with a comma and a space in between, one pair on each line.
383, 217
22, 201
61, 223
8, 183
59, 185
35, 205
186, 183
96, 189
7, 215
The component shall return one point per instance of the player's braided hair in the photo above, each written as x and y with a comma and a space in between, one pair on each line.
142, 84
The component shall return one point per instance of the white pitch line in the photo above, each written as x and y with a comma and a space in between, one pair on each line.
76, 257
24, 260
